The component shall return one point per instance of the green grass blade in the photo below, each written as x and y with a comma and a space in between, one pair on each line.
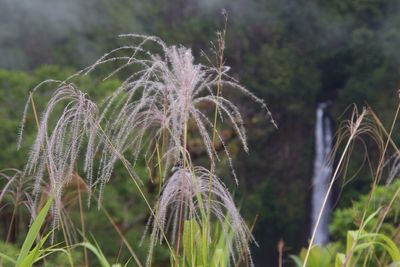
7, 258
96, 251
126, 264
33, 231
51, 250
35, 254
297, 261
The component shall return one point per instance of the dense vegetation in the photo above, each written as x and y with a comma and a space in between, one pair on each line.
292, 54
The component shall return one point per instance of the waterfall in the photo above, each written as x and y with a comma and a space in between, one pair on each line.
322, 173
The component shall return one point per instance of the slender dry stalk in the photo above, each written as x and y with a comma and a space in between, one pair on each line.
246, 257
83, 227
14, 185
354, 128
16, 191
375, 183
86, 190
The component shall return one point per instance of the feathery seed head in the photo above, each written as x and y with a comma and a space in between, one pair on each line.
199, 197
57, 146
167, 92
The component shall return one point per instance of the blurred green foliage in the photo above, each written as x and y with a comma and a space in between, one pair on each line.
351, 217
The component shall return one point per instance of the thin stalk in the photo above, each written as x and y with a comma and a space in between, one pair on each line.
380, 223
377, 179
34, 109
221, 49
159, 169
387, 209
12, 223
83, 227
180, 223
1, 198
382, 159
220, 62
5, 188
163, 142
135, 257
124, 162
64, 231
389, 139
200, 203
110, 219
353, 133
192, 239
378, 121
119, 252
325, 201
181, 193
251, 230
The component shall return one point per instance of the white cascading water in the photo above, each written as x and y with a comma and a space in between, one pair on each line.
322, 174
